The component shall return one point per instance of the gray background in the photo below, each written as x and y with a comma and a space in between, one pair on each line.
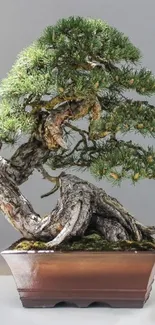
20, 23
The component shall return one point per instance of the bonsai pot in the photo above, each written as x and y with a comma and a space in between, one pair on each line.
115, 279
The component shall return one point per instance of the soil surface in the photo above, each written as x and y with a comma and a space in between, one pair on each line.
93, 242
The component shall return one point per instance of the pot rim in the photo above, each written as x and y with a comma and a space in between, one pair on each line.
12, 252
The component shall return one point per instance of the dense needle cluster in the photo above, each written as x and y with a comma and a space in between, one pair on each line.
89, 61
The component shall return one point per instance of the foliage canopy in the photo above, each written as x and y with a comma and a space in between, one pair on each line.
84, 59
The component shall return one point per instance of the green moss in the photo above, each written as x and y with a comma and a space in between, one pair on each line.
27, 245
93, 242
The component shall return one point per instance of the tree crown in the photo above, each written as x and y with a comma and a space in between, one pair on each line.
85, 60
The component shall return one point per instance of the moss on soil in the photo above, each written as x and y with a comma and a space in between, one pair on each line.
93, 242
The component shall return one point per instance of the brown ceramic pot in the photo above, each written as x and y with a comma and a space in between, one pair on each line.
116, 279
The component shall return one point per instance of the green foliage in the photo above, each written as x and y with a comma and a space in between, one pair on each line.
112, 160
57, 63
124, 160
82, 37
125, 115
29, 78
129, 78
31, 74
81, 58
13, 122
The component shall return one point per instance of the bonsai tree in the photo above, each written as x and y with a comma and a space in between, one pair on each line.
79, 68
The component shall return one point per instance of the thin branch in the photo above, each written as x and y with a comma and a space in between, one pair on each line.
81, 132
55, 188
55, 103
53, 179
100, 62
75, 128
73, 150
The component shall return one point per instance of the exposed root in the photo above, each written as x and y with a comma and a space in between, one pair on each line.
68, 228
109, 217
81, 204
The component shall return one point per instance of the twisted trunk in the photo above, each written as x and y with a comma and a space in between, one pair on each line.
81, 206
26, 159
46, 138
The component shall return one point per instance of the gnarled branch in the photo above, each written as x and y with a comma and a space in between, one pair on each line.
36, 152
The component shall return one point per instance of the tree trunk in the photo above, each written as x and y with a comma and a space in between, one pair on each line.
46, 138
81, 206
26, 159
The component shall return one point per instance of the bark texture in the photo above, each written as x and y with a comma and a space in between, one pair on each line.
26, 159
82, 207
46, 138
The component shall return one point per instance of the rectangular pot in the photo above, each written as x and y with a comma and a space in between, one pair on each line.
115, 279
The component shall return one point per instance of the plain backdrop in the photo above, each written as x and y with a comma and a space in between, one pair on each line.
21, 22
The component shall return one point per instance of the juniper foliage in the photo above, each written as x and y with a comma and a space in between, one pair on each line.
84, 59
